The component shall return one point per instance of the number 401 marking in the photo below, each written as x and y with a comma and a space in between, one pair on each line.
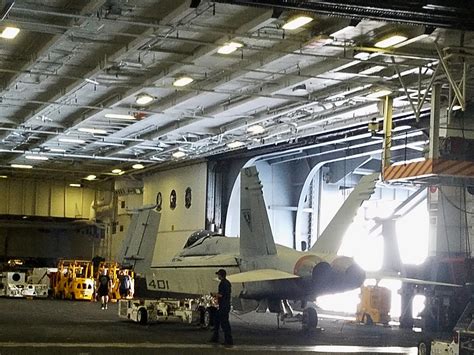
159, 284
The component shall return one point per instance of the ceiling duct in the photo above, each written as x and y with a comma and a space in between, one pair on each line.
456, 14
5, 6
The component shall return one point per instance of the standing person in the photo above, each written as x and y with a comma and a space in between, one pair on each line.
104, 287
222, 318
125, 285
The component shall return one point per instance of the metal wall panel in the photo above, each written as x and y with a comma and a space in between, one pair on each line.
15, 198
74, 202
29, 193
42, 198
4, 196
57, 207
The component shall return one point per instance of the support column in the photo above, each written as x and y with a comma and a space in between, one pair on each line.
387, 129
434, 122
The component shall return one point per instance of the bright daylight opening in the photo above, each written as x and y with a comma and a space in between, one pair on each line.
367, 250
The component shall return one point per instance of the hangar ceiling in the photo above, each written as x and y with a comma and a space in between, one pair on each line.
71, 81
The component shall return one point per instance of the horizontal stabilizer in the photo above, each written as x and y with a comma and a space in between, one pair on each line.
260, 275
379, 276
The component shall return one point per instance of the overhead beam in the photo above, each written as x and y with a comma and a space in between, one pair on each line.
456, 14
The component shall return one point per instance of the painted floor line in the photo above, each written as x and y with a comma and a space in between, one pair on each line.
316, 348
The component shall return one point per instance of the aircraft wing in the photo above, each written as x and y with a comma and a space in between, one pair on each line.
379, 276
260, 275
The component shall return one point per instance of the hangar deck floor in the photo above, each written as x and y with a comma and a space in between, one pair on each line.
65, 327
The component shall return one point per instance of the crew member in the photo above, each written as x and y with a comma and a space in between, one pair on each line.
104, 287
222, 318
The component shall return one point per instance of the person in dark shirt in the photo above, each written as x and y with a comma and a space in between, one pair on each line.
222, 318
104, 286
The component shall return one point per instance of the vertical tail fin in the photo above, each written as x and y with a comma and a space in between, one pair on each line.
256, 238
330, 240
139, 243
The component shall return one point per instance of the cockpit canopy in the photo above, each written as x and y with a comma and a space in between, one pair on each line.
199, 235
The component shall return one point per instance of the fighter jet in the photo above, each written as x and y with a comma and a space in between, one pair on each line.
264, 275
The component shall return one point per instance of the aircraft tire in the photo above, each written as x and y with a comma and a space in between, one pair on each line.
310, 319
367, 319
142, 316
208, 317
424, 347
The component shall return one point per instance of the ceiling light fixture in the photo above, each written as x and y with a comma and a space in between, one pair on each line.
75, 185
116, 171
379, 94
300, 89
57, 150
179, 154
138, 166
183, 81
372, 70
456, 108
144, 99
235, 144
36, 157
92, 81
120, 116
10, 32
297, 22
352, 24
229, 47
90, 177
390, 41
362, 55
71, 140
255, 129
3, 177
92, 130
21, 166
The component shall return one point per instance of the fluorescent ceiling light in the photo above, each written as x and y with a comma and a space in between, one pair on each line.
92, 81
3, 177
411, 40
21, 166
341, 31
390, 41
138, 166
255, 129
57, 150
120, 116
36, 157
179, 154
235, 144
92, 130
404, 127
362, 55
297, 22
230, 47
10, 32
116, 171
71, 140
372, 70
144, 99
75, 185
183, 81
378, 94
90, 177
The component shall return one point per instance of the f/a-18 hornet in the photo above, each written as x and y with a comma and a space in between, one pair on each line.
264, 275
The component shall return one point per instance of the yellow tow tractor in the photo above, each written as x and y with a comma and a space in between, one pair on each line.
74, 280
